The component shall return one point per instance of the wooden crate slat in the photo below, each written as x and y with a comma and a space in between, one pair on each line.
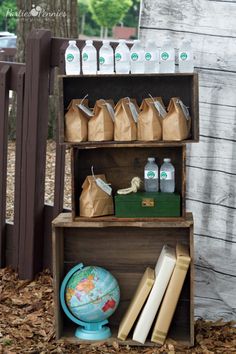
65, 219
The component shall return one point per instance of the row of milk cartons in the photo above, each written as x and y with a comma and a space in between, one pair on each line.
137, 60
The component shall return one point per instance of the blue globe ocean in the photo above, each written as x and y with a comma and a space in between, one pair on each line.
92, 294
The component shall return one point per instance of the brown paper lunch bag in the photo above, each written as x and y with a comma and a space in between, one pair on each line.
93, 200
149, 120
125, 127
76, 122
176, 125
101, 125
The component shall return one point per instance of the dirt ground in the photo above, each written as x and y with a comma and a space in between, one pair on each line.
27, 324
27, 310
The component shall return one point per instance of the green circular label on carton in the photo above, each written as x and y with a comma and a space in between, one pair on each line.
183, 56
134, 56
85, 57
148, 56
118, 56
163, 175
151, 174
165, 56
70, 57
101, 60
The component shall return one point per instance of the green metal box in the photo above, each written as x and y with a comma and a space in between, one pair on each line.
144, 205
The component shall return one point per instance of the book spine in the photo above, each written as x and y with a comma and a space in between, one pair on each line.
149, 312
170, 301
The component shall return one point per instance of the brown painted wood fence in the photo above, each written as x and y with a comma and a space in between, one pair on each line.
25, 244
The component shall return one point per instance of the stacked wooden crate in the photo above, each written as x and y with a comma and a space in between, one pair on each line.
125, 246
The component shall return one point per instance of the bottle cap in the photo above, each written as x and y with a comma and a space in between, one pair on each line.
151, 159
167, 160
72, 42
106, 41
89, 41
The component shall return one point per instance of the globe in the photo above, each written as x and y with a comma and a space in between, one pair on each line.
89, 295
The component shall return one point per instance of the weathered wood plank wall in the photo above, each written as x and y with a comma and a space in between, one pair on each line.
211, 164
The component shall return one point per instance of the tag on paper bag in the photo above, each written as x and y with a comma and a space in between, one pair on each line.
76, 122
176, 125
126, 116
96, 198
101, 125
150, 119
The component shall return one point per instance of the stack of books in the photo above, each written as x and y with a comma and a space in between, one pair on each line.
156, 297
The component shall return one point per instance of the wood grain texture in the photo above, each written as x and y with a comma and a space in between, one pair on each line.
58, 274
4, 102
125, 252
66, 220
33, 161
211, 164
19, 135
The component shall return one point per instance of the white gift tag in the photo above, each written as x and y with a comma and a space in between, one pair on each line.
85, 109
134, 111
160, 109
111, 111
184, 109
104, 186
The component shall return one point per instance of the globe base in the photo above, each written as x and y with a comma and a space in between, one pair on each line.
98, 333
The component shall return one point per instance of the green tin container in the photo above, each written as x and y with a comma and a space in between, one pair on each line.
145, 205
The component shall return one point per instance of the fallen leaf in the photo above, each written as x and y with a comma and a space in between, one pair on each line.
115, 345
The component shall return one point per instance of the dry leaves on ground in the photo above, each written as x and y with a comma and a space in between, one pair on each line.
27, 325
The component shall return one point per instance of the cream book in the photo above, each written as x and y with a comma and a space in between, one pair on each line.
163, 270
172, 294
137, 302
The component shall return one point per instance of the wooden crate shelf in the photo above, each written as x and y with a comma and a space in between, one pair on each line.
138, 86
126, 252
68, 337
111, 221
126, 144
121, 165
